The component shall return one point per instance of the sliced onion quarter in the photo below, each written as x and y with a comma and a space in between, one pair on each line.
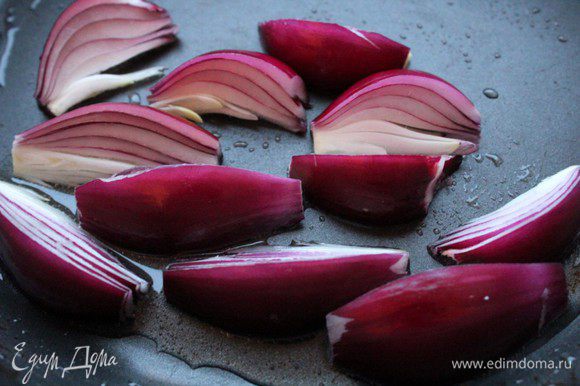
412, 330
92, 36
242, 84
374, 189
57, 264
181, 208
538, 226
398, 112
100, 140
331, 57
279, 291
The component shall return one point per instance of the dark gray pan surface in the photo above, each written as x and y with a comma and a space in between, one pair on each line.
527, 51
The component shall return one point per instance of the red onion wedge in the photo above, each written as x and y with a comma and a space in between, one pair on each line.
537, 226
188, 207
413, 328
242, 84
279, 291
92, 36
377, 189
57, 264
398, 112
329, 56
103, 139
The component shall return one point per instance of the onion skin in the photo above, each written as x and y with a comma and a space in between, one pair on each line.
57, 264
538, 226
243, 84
92, 36
398, 112
372, 189
413, 328
279, 291
328, 56
188, 207
100, 140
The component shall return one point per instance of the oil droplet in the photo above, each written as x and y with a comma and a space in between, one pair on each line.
467, 60
35, 4
403, 36
478, 158
419, 25
322, 218
10, 18
265, 145
526, 173
443, 41
496, 159
436, 231
242, 144
278, 138
5, 58
562, 39
468, 35
497, 55
419, 231
535, 10
252, 149
472, 201
466, 54
490, 93
216, 134
135, 98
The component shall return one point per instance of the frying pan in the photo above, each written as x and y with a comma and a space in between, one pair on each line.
527, 51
